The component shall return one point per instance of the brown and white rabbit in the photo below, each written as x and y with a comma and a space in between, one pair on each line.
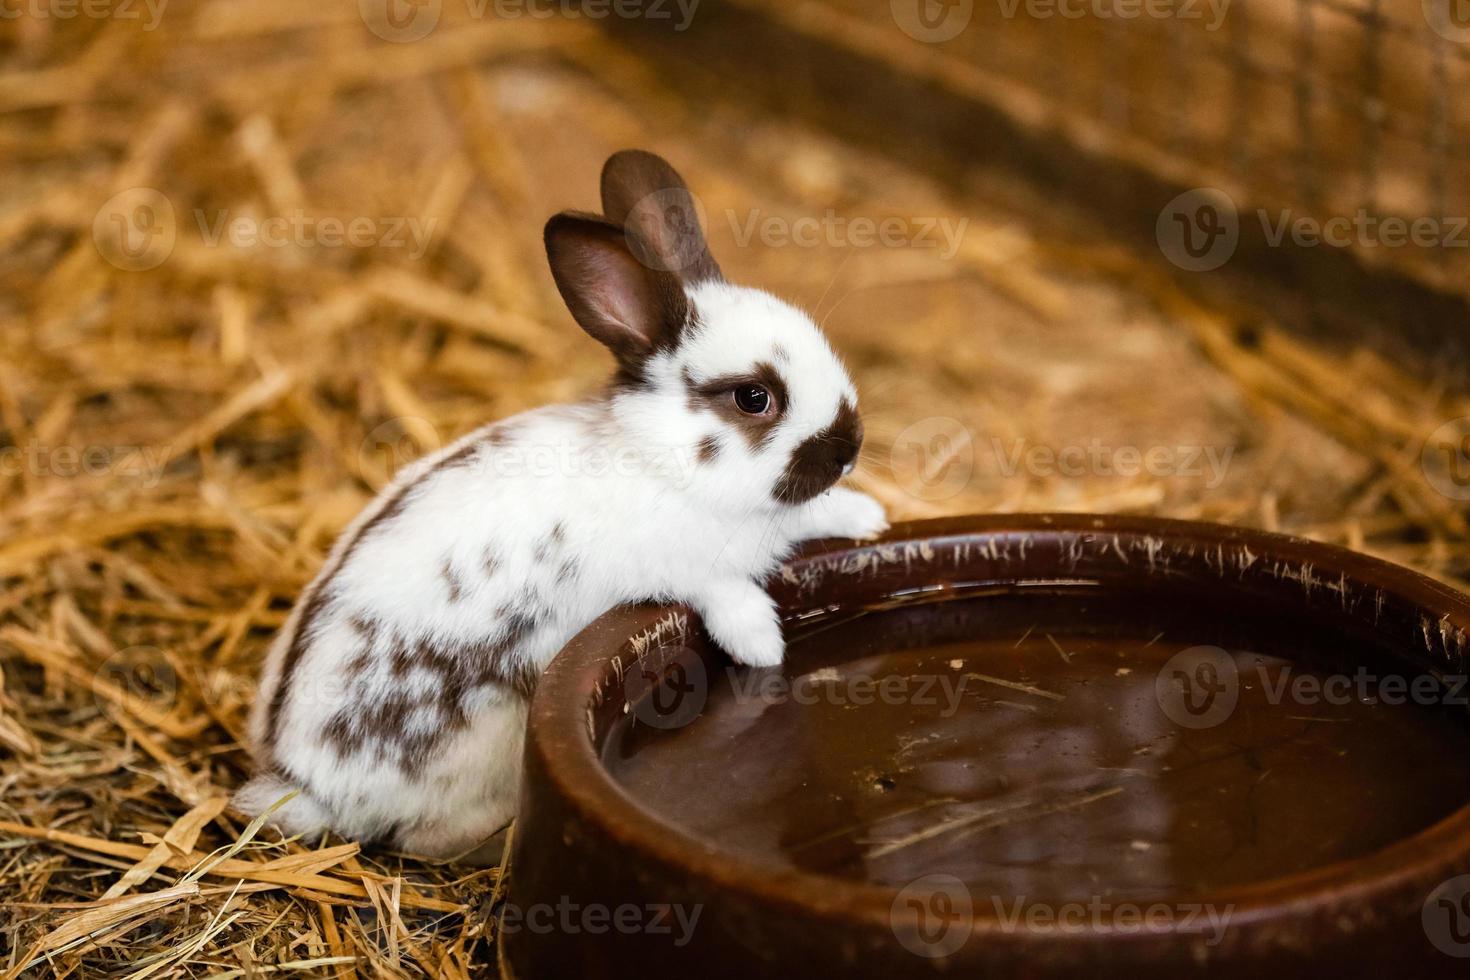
394, 700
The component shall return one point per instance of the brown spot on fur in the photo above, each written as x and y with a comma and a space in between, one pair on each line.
549, 545
463, 456
718, 395
340, 733
361, 661
819, 461
451, 581
319, 597
568, 571
709, 448
457, 674
490, 563
400, 657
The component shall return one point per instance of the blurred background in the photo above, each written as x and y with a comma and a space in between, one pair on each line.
1201, 258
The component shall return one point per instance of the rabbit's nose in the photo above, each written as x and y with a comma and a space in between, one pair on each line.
844, 452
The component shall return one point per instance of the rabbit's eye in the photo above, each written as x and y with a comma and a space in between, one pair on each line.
753, 399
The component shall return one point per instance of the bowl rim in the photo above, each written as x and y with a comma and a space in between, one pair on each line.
558, 732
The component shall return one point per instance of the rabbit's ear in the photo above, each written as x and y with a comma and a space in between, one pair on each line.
648, 198
631, 309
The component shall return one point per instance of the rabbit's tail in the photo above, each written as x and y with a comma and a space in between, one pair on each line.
298, 815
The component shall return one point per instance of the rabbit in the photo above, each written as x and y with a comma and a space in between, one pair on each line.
394, 700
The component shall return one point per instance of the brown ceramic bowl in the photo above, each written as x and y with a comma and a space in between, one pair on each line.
1148, 749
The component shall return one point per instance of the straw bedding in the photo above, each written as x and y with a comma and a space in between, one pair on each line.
181, 442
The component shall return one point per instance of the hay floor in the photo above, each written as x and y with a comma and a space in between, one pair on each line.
181, 443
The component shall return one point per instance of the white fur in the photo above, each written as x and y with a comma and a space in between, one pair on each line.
614, 485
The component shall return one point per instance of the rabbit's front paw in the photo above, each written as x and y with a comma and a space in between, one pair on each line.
743, 621
846, 513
